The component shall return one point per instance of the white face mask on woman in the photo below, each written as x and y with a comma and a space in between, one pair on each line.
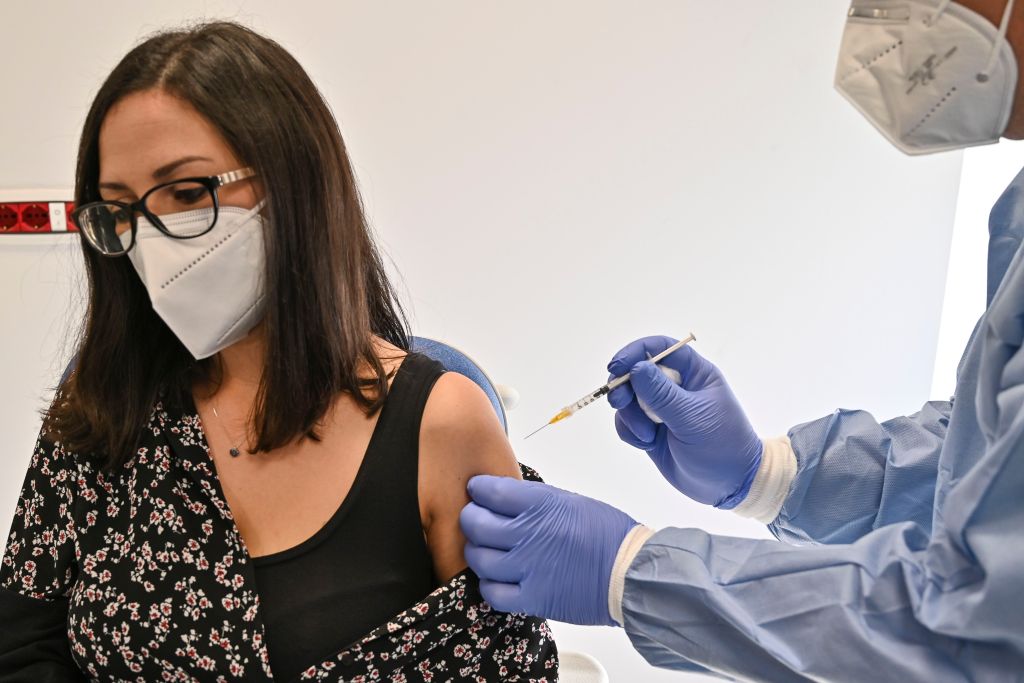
931, 76
208, 289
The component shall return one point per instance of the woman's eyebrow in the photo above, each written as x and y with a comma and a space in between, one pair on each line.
113, 186
159, 174
167, 169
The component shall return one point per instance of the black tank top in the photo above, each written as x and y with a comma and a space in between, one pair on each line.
370, 561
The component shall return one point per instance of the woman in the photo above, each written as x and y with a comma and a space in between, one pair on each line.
247, 476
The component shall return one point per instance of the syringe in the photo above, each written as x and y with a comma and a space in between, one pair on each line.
573, 408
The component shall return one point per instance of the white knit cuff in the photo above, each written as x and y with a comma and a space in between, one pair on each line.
630, 546
771, 483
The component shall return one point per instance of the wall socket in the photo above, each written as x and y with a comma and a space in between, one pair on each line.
35, 212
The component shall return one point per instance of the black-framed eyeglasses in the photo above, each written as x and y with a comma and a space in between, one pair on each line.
110, 227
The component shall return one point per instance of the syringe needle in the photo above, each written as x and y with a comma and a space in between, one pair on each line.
590, 398
535, 431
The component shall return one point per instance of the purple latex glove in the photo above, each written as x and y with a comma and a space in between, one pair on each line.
541, 550
705, 446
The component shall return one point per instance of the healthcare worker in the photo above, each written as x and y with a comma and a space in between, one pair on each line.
904, 540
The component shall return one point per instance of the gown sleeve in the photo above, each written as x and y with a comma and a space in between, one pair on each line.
855, 474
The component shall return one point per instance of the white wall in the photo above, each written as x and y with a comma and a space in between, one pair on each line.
553, 180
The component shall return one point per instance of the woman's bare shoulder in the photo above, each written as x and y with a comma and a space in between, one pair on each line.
461, 430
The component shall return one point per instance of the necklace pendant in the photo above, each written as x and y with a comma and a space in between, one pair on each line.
235, 452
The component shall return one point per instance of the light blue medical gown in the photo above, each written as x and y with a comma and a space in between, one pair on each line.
904, 553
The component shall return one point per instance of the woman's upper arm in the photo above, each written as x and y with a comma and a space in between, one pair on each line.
460, 437
34, 640
39, 560
37, 573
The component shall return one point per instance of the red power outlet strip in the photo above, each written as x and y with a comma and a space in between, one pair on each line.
21, 218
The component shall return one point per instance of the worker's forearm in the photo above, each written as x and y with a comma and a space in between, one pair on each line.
855, 474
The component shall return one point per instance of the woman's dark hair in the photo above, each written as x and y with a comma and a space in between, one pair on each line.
326, 289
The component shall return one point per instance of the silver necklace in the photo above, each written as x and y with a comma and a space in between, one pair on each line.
235, 450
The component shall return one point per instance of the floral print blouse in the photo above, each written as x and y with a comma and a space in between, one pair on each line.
143, 576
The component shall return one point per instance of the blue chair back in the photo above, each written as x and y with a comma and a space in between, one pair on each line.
454, 360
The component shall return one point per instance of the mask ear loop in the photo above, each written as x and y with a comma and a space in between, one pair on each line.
939, 11
1004, 26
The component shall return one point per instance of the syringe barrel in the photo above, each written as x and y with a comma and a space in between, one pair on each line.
587, 400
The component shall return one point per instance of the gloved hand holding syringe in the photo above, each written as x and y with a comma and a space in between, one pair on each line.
573, 408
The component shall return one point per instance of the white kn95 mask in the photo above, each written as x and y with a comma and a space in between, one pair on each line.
208, 289
931, 76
